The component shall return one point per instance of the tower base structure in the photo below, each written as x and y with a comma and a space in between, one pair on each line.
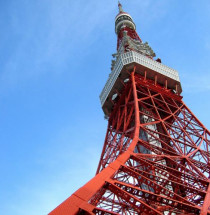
155, 159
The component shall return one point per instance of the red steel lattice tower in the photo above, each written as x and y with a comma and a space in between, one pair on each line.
156, 155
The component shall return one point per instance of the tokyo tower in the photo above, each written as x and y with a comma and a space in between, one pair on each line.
156, 154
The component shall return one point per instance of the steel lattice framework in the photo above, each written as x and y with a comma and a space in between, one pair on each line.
156, 155
167, 164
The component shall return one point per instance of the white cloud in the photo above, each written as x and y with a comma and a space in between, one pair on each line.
195, 83
48, 45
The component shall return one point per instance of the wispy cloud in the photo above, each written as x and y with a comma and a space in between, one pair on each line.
195, 83
49, 37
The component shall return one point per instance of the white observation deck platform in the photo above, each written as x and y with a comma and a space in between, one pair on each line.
124, 63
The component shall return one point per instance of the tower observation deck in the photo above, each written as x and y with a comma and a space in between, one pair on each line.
156, 154
132, 52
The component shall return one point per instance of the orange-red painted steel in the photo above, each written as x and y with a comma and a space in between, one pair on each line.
155, 159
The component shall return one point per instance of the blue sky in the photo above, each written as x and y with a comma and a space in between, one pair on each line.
55, 59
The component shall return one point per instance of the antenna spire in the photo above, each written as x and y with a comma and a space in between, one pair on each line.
120, 7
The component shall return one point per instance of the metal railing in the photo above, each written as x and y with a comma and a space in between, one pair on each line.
131, 57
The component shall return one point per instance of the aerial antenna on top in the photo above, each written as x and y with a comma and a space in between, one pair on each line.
120, 7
